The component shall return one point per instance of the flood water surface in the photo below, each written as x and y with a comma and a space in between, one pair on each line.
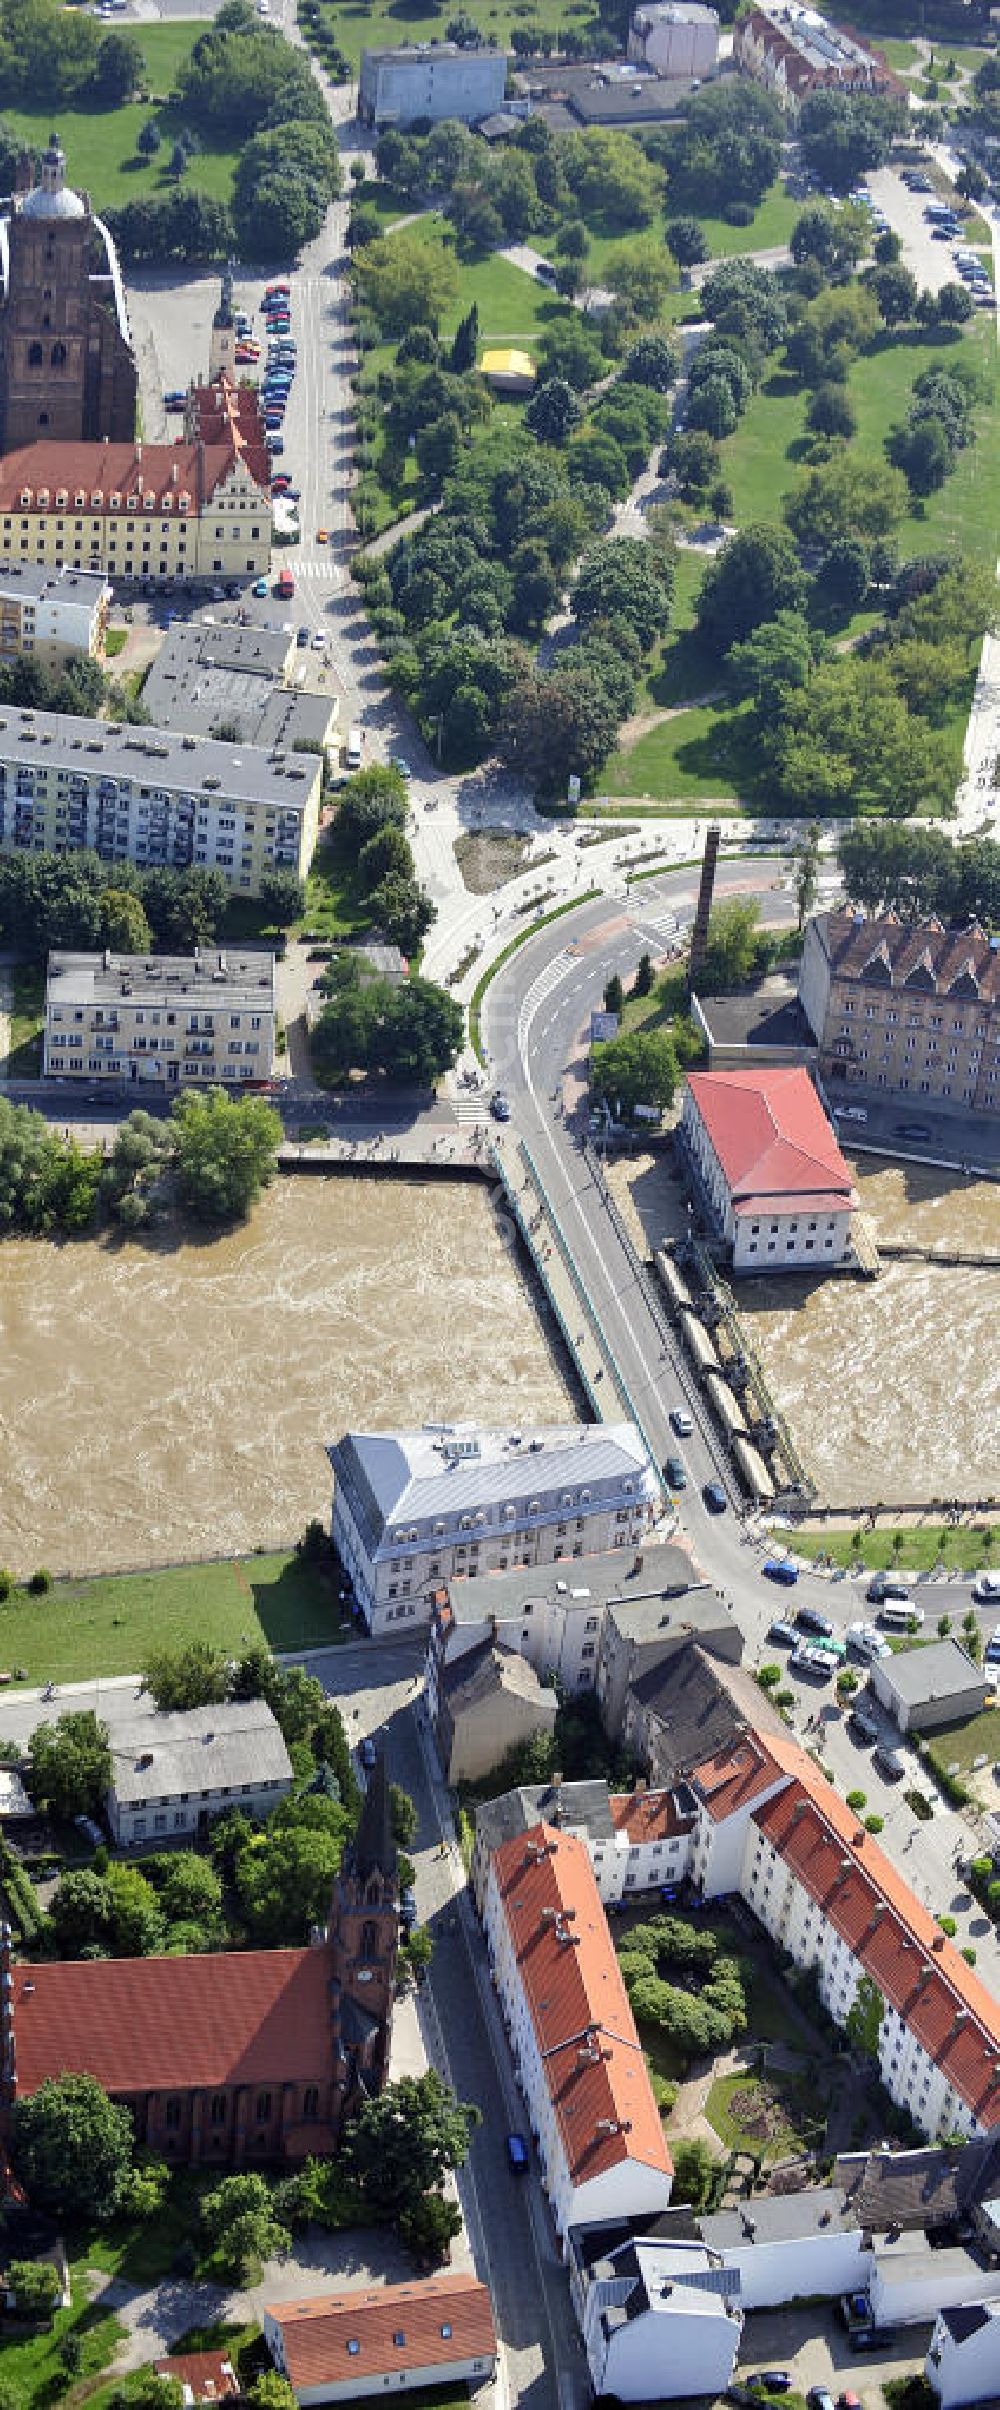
174, 1400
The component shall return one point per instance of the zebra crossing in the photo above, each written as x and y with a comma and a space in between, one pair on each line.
541, 988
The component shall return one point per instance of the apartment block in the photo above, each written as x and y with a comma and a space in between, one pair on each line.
416, 1510
160, 1019
138, 513
51, 615
793, 51
909, 1009
172, 1773
150, 796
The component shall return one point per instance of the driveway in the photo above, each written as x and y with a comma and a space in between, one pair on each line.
155, 2316
814, 2346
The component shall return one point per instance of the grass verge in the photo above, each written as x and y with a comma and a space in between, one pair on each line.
959, 1746
27, 1020
914, 1547
83, 1629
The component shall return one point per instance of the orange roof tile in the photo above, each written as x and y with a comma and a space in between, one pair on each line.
647, 1815
98, 470
586, 2033
209, 2374
917, 1970
156, 2024
772, 1137
738, 1773
336, 2335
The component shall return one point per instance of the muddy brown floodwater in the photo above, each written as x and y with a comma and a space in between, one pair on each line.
173, 1400
889, 1386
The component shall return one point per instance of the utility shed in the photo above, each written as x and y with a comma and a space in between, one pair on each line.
926, 1688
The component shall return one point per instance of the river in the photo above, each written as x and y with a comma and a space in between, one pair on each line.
173, 1399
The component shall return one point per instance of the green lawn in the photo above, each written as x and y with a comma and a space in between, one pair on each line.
100, 144
682, 668
26, 1021
901, 55
108, 1625
367, 23
770, 228
513, 306
792, 2107
696, 756
30, 2365
961, 1744
920, 1546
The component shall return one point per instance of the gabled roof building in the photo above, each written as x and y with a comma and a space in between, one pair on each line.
905, 1008
335, 2346
767, 1168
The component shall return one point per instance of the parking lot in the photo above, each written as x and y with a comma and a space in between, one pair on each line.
813, 2346
930, 261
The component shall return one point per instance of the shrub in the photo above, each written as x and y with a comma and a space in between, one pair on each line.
948, 1926
738, 213
6, 1583
919, 1804
857, 1800
969, 1954
41, 1580
874, 1824
768, 1676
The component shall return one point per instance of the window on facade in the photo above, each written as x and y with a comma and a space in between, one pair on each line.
263, 2106
219, 2108
172, 2115
369, 1938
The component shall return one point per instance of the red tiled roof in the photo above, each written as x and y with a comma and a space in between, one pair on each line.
210, 2374
771, 1136
103, 469
919, 1972
647, 1815
319, 2335
586, 2034
227, 413
152, 2024
741, 1771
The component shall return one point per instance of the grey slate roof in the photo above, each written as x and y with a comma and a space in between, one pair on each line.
406, 1477
918, 2189
966, 2318
667, 1574
485, 1671
212, 977
157, 757
584, 1805
779, 2218
697, 1704
197, 1749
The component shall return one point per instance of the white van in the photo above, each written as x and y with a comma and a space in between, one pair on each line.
355, 748
898, 1618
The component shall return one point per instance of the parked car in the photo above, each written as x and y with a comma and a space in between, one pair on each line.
407, 1911
500, 1105
809, 1619
819, 2398
808, 1657
259, 587
917, 1130
889, 1762
368, 1755
782, 1633
887, 1585
714, 1496
772, 2380
518, 2155
302, 638
861, 1725
780, 1569
674, 1473
986, 1588
680, 1421
866, 1642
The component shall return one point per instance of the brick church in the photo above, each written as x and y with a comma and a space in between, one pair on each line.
67, 368
230, 2057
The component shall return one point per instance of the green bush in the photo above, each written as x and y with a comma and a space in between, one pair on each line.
41, 1580
948, 1926
919, 1805
857, 1800
874, 1824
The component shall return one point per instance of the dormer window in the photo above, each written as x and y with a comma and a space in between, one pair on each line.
132, 502
149, 501
26, 497
116, 501
62, 497
97, 498
183, 502
166, 502
43, 497
80, 499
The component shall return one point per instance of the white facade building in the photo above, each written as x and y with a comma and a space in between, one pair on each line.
160, 1018
171, 1773
768, 1169
658, 2325
416, 1510
430, 79
675, 37
392, 2338
579, 2061
51, 615
780, 2246
637, 1841
963, 2363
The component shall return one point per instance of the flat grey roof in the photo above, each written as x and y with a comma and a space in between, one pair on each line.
933, 1672
214, 975
212, 676
424, 51
40, 580
779, 2218
666, 1573
157, 757
770, 1016
578, 1805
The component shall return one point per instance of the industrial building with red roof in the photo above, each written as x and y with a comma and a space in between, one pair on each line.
767, 1169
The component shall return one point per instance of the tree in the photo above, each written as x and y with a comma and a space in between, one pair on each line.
831, 412
755, 576
553, 411
240, 2229
429, 2227
403, 282
846, 497
924, 453
614, 994
623, 580
271, 2391
806, 860
744, 300
71, 1764
954, 304
842, 579
403, 910
863, 2022
637, 1068
895, 292
72, 2148
195, 1676
843, 134
282, 896
79, 1912
695, 2168
402, 2144
227, 1151
36, 2287
119, 70
284, 1878
191, 1892
557, 723
465, 346
639, 277
729, 149
124, 926
687, 240
654, 361
780, 653
731, 946
404, 1815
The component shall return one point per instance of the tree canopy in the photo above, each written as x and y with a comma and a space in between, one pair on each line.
637, 1068
71, 1763
72, 2147
226, 1152
402, 2144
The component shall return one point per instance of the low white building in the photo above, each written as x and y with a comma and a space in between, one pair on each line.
414, 1511
777, 2247
160, 1019
51, 615
637, 1841
392, 2338
767, 1169
171, 1773
601, 2148
658, 2325
430, 79
963, 2363
675, 37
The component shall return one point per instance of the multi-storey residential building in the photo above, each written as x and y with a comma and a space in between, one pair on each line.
433, 2331
416, 1510
160, 1017
636, 1840
489, 1702
601, 2147
151, 796
909, 1009
657, 2324
172, 1773
147, 514
67, 367
793, 51
767, 1168
51, 615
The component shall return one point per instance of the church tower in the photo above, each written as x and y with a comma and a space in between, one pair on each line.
222, 350
67, 368
364, 1937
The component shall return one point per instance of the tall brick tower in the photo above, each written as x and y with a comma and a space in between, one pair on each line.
67, 369
364, 1937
